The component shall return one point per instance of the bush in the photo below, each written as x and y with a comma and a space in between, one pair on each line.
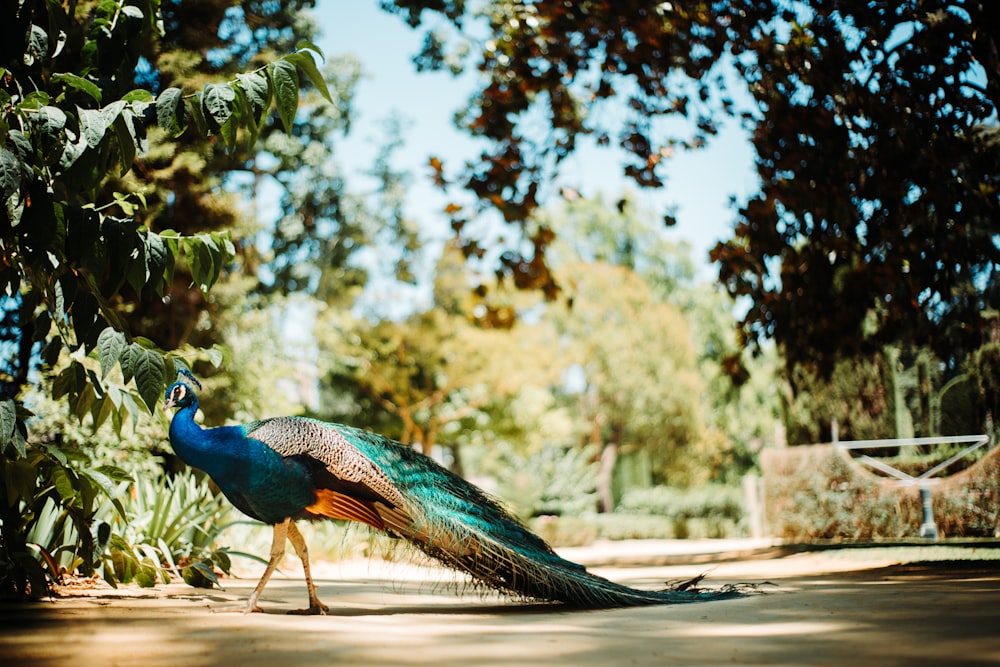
172, 525
817, 492
554, 481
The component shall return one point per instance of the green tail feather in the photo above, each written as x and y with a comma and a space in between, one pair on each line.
456, 523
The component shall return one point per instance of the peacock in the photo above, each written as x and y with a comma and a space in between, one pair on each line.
284, 469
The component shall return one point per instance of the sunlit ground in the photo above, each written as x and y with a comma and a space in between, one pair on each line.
834, 607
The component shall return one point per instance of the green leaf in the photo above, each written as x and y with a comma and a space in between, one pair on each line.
88, 394
100, 411
10, 173
108, 485
257, 93
51, 121
149, 376
305, 44
304, 61
36, 99
126, 144
78, 83
64, 484
196, 113
8, 423
69, 381
94, 124
138, 95
199, 574
128, 360
110, 346
146, 577
157, 259
218, 101
37, 48
285, 83
171, 112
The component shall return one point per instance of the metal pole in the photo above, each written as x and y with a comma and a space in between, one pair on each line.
928, 529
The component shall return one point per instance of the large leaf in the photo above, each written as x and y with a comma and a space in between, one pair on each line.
257, 93
304, 61
8, 424
10, 173
158, 260
285, 83
171, 112
51, 121
149, 374
110, 346
78, 83
218, 102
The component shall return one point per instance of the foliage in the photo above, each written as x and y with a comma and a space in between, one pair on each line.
710, 501
857, 395
419, 377
985, 371
555, 481
50, 498
742, 410
72, 255
817, 493
878, 178
171, 525
641, 385
550, 65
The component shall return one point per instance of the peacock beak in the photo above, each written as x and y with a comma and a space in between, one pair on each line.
167, 404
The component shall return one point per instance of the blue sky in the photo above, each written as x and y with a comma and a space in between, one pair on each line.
699, 184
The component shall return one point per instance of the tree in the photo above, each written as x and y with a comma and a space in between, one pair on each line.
420, 376
876, 220
879, 185
72, 256
641, 387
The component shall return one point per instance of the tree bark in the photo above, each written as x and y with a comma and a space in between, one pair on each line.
605, 478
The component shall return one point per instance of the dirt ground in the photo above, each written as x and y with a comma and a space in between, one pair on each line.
837, 607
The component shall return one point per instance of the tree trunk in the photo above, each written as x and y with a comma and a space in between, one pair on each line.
605, 478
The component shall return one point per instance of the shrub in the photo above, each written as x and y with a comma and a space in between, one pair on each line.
817, 492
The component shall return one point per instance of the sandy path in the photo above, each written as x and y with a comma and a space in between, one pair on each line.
821, 610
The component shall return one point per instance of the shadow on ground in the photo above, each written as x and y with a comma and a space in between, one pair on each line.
921, 614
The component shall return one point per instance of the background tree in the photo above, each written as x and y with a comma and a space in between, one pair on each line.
640, 385
418, 377
740, 414
878, 179
876, 220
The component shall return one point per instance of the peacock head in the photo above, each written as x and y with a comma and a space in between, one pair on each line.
181, 394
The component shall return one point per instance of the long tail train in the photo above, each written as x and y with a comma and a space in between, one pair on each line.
459, 525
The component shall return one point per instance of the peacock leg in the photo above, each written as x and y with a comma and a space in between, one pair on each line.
277, 553
299, 542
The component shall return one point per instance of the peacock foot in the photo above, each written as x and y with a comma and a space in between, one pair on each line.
316, 608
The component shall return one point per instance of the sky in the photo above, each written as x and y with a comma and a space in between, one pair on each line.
699, 184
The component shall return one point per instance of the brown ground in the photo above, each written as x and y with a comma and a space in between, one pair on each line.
823, 608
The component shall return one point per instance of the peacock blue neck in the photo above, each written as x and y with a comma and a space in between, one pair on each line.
202, 448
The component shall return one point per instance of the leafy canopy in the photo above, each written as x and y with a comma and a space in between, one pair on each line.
871, 122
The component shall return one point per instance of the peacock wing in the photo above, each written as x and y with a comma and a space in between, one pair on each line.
348, 485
